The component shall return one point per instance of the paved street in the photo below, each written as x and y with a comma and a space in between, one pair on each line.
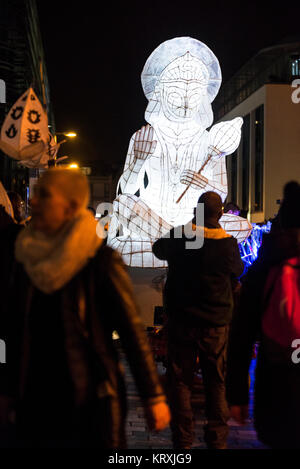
240, 437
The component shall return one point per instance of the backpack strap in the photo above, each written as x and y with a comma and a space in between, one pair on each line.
273, 273
270, 284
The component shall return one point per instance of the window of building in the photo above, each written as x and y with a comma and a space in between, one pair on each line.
295, 66
259, 159
233, 178
98, 189
106, 191
245, 162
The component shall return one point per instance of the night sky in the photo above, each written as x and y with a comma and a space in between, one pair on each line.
95, 57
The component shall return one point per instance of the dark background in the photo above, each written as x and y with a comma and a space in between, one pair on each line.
95, 53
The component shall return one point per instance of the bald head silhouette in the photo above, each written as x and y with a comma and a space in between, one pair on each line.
213, 207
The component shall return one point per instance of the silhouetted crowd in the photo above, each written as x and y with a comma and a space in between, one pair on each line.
64, 292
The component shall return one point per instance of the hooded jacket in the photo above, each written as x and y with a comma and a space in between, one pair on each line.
199, 282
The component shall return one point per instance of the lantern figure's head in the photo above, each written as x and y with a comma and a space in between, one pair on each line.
183, 86
180, 79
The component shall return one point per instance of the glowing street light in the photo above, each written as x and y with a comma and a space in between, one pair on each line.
73, 166
69, 134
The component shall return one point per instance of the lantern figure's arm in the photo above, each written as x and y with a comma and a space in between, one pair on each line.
218, 182
141, 146
128, 180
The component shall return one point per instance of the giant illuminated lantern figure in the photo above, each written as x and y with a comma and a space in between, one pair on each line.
173, 159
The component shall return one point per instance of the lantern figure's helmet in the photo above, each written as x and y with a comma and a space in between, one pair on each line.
181, 77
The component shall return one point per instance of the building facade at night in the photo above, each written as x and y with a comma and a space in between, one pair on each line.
265, 94
22, 65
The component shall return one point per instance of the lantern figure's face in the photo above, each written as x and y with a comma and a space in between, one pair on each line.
182, 99
183, 84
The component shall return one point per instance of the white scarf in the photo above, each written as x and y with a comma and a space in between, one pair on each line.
51, 262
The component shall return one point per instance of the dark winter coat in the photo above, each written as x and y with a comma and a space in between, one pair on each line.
198, 288
277, 382
62, 364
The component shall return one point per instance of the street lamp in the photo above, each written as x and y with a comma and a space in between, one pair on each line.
70, 134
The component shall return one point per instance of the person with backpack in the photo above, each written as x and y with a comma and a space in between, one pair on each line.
269, 312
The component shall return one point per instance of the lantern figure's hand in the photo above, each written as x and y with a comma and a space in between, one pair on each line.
144, 145
195, 180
